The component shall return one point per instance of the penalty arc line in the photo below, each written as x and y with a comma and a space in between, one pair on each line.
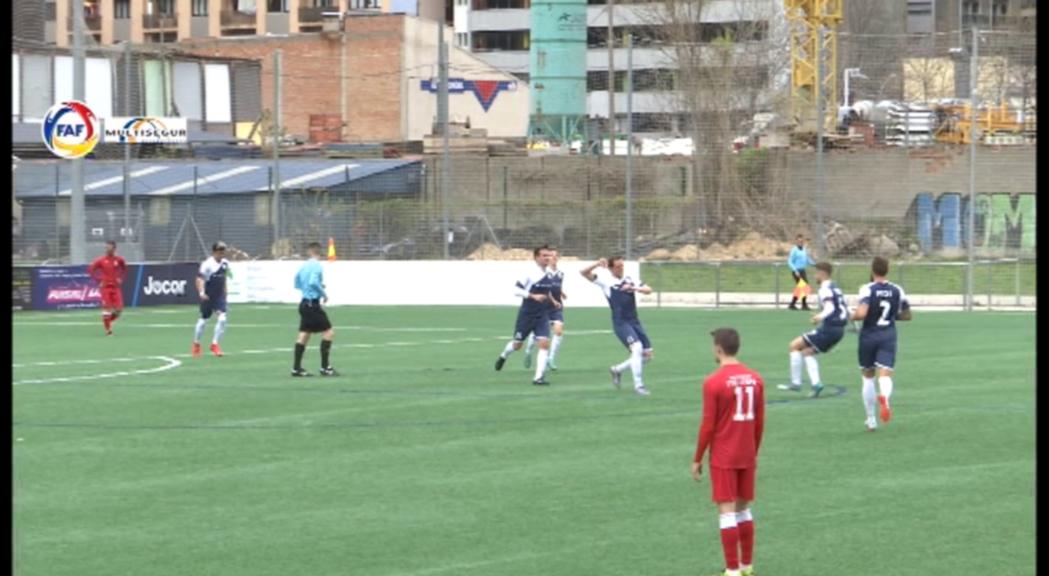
170, 363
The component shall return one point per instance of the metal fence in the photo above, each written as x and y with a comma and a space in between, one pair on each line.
904, 170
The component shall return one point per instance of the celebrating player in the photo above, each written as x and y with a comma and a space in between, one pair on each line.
312, 318
619, 291
211, 287
733, 421
109, 271
557, 315
881, 304
534, 314
832, 320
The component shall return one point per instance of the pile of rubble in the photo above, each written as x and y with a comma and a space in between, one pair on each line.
753, 246
489, 251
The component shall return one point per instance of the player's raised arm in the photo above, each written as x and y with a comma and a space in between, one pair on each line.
588, 272
643, 289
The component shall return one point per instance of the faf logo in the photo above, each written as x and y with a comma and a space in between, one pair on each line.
146, 130
70, 130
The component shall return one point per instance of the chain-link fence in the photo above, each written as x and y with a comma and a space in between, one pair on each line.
902, 155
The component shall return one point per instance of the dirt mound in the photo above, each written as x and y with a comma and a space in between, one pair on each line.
753, 246
490, 251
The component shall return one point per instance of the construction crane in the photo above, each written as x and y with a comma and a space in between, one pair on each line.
806, 18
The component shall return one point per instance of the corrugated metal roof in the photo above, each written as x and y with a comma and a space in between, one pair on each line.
39, 179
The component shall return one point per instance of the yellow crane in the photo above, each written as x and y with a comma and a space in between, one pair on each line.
807, 51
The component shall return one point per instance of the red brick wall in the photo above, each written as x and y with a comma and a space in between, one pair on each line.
375, 45
311, 69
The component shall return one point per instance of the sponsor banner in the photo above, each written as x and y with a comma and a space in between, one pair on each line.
64, 287
484, 90
161, 284
21, 288
145, 130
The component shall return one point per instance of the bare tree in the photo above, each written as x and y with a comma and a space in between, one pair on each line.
726, 69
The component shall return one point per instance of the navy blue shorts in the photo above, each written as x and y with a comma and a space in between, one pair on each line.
630, 332
824, 338
538, 324
877, 349
557, 315
212, 305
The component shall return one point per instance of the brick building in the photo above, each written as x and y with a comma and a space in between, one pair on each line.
374, 79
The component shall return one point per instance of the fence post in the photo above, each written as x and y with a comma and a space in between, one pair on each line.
659, 288
717, 285
775, 282
990, 282
1018, 282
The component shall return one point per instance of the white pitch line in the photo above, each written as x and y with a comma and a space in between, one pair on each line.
170, 363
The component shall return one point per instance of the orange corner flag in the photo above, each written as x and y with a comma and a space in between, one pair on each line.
331, 249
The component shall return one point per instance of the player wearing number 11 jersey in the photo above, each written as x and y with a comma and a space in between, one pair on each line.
733, 422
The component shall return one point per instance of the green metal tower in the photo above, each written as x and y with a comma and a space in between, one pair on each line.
558, 71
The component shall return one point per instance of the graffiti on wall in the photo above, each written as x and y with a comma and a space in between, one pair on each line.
1002, 222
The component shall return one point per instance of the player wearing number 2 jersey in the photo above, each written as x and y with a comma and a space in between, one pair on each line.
881, 304
733, 422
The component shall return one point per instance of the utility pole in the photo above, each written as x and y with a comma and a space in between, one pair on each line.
629, 146
126, 236
611, 79
77, 238
974, 69
442, 119
820, 122
277, 131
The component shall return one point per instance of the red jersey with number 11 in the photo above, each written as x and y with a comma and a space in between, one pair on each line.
733, 417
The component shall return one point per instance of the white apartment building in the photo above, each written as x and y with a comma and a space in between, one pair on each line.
498, 31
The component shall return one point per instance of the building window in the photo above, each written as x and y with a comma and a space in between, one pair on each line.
200, 7
161, 7
277, 5
510, 40
122, 9
501, 4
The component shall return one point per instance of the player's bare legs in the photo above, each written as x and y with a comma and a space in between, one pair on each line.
109, 316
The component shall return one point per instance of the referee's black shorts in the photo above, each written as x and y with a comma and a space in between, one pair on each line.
800, 275
313, 318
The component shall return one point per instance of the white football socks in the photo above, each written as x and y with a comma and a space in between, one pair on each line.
870, 397
795, 368
554, 345
198, 333
540, 363
220, 328
530, 344
636, 362
814, 370
508, 350
885, 386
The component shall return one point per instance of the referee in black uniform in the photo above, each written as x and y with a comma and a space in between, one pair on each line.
312, 317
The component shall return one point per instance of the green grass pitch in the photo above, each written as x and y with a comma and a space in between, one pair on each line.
421, 460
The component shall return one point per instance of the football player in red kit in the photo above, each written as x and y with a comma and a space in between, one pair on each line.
733, 419
109, 271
